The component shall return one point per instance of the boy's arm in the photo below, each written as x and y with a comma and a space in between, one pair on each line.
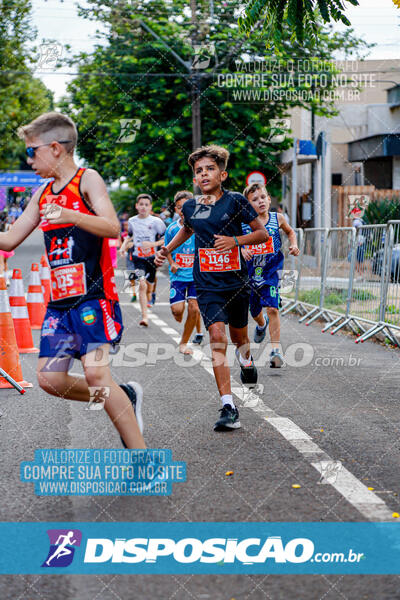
105, 222
181, 237
258, 235
125, 244
159, 242
290, 232
24, 225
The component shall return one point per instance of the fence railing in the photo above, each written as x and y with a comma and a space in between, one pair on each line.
350, 278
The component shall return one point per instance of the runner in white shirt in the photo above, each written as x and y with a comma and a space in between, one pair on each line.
145, 233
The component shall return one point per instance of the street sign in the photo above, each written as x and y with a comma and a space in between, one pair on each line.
256, 177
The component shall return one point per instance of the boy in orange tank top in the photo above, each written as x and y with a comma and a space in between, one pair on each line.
83, 316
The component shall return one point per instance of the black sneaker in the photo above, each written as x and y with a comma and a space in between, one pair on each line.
248, 373
198, 338
134, 391
229, 419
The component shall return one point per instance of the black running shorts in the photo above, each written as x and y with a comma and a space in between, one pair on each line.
142, 267
228, 306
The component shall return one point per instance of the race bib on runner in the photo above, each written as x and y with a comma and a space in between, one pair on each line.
212, 260
68, 281
265, 248
145, 252
184, 261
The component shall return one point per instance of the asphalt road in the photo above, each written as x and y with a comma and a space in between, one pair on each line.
334, 401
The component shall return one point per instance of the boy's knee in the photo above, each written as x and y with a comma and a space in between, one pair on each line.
177, 313
218, 339
49, 382
193, 309
272, 311
96, 376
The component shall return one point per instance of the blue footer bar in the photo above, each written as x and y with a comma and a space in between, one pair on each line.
198, 548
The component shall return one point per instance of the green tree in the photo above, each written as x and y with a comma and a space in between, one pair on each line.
133, 76
22, 96
382, 211
302, 16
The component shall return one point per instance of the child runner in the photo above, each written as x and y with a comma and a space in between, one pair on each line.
83, 316
146, 231
264, 263
181, 277
219, 274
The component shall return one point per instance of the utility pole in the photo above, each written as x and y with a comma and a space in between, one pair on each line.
195, 76
195, 82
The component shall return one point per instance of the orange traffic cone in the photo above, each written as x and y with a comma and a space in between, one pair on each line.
35, 301
44, 274
19, 313
9, 356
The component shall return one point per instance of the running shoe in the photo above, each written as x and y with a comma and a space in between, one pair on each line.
134, 391
198, 338
248, 372
259, 334
229, 419
275, 359
134, 298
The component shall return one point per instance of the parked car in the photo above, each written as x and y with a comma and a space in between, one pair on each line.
377, 261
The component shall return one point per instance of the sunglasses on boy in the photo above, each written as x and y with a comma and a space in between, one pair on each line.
30, 150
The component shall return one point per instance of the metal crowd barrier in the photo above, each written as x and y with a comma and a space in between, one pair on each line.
291, 276
350, 278
309, 267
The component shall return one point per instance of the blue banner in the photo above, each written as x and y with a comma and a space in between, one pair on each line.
23, 178
102, 472
200, 548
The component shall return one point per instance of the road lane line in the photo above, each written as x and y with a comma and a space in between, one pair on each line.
345, 483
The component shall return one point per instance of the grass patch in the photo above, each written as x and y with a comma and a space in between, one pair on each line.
392, 309
363, 295
335, 297
309, 296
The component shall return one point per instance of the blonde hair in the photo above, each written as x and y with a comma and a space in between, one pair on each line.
217, 153
250, 189
52, 127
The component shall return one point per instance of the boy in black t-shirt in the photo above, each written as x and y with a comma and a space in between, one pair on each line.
219, 272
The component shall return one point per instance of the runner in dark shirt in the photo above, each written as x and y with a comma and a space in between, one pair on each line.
219, 272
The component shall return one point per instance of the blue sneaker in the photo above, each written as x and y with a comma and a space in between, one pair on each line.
198, 338
259, 333
276, 359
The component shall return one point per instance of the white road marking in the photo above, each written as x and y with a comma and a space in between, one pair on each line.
346, 484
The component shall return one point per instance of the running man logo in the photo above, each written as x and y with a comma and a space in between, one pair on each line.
62, 547
50, 53
279, 129
98, 397
287, 280
329, 471
203, 206
52, 210
60, 248
129, 130
202, 55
